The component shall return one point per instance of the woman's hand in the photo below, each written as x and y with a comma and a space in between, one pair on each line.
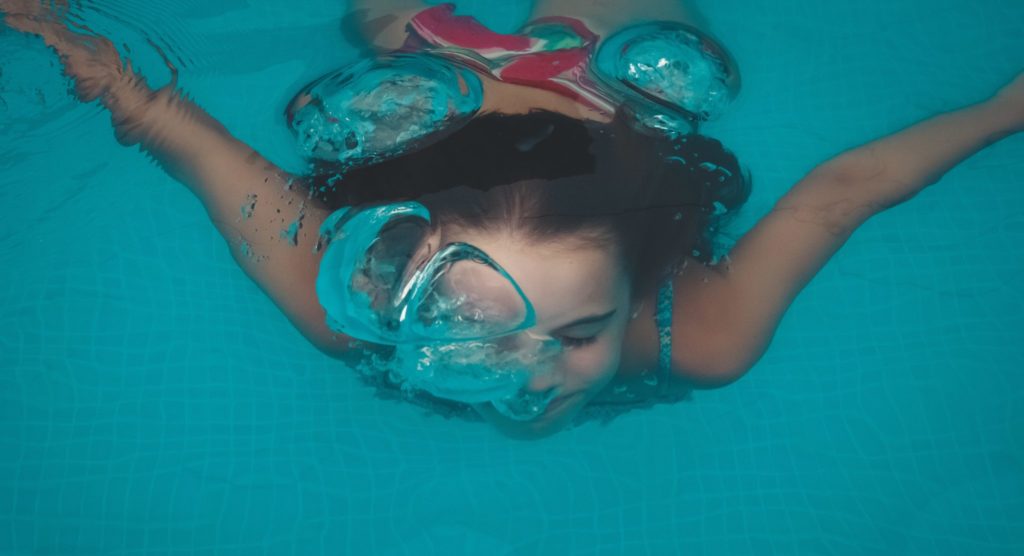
1012, 98
93, 62
33, 8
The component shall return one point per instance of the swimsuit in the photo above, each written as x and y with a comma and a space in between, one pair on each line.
672, 70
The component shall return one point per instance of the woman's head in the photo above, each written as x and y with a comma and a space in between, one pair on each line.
588, 218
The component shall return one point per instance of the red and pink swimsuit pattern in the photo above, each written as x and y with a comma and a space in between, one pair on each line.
551, 53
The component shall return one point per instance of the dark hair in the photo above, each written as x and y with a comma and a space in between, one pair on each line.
547, 175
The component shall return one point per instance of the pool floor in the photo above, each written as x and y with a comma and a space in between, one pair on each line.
154, 401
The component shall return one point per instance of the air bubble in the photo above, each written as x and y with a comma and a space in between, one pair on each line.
291, 233
708, 166
249, 207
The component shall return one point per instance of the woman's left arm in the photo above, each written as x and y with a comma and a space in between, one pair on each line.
247, 197
725, 315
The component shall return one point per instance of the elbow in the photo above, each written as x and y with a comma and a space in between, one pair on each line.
714, 368
712, 377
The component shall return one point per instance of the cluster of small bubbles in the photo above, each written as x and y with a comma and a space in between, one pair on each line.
249, 207
470, 372
710, 167
321, 242
246, 249
524, 405
719, 208
291, 233
667, 124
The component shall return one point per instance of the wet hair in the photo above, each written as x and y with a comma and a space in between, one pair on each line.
548, 176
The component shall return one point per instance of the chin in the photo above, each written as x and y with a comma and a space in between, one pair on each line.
542, 427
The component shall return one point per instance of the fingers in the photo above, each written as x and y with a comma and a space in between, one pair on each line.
26, 24
33, 8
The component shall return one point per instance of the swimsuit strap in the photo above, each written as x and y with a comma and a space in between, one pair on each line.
663, 320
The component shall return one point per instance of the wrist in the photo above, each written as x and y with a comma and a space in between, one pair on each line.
130, 101
127, 94
1008, 109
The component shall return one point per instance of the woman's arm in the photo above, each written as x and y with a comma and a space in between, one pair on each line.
251, 201
606, 16
380, 24
726, 314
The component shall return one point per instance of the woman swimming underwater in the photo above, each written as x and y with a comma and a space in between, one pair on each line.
521, 225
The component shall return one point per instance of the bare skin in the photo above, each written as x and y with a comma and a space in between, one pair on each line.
724, 314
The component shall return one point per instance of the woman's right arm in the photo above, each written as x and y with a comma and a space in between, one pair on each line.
262, 212
725, 315
380, 24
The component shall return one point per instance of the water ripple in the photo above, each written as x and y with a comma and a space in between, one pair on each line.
34, 95
37, 101
147, 31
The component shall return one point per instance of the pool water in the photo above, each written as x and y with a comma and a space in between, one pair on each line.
154, 401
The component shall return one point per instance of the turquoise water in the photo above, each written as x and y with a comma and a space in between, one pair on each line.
153, 401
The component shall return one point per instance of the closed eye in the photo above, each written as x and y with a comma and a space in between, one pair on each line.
584, 331
573, 343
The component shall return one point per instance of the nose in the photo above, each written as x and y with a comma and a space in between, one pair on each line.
547, 376
538, 354
544, 383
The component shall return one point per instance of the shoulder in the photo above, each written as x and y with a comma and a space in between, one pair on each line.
706, 351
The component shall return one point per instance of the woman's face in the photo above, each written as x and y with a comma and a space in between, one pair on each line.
581, 295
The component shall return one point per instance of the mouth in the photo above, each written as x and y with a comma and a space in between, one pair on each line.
560, 401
